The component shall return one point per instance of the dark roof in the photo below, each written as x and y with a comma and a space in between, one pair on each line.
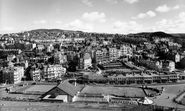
69, 88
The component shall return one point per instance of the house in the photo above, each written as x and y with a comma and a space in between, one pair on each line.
64, 92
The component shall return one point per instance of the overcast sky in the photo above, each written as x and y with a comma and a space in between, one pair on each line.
109, 16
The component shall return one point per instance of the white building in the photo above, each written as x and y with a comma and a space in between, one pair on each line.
126, 50
50, 48
168, 66
113, 53
177, 57
99, 56
87, 60
53, 71
35, 74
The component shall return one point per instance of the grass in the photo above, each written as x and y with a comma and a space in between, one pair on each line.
40, 88
172, 89
21, 89
121, 91
40, 106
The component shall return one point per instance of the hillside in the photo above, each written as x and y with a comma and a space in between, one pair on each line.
161, 34
54, 30
152, 34
179, 35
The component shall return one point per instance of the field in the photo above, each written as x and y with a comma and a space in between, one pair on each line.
40, 88
32, 89
121, 91
171, 91
41, 106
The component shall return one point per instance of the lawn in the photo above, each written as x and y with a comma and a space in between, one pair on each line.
41, 106
121, 91
172, 89
40, 88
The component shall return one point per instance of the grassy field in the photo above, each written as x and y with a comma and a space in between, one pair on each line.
39, 106
34, 89
171, 91
40, 88
121, 91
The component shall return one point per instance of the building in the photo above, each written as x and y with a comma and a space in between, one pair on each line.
113, 53
4, 63
174, 56
40, 47
42, 58
35, 74
34, 45
174, 46
64, 92
79, 40
64, 40
49, 48
98, 56
153, 65
10, 51
60, 58
105, 54
53, 72
168, 66
123, 50
84, 60
136, 77
177, 57
11, 75
10, 57
87, 60
128, 51
81, 63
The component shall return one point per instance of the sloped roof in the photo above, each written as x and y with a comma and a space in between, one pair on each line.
68, 88
183, 100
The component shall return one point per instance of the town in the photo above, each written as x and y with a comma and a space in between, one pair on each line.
52, 65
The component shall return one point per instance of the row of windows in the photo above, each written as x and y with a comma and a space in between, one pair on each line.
142, 78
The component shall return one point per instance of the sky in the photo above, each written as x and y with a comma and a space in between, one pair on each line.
102, 16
